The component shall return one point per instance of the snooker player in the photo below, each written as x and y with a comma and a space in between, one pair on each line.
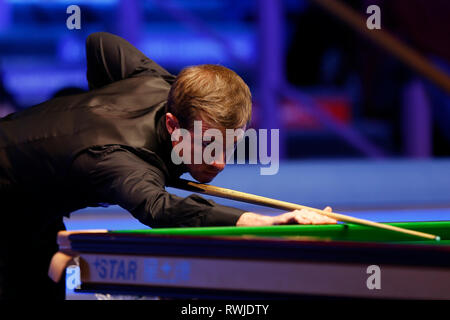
113, 145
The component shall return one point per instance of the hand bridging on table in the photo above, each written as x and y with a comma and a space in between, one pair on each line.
294, 217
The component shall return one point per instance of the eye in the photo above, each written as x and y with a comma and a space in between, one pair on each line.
206, 143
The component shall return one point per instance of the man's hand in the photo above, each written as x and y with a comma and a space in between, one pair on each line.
294, 217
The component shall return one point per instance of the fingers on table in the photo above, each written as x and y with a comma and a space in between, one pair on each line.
310, 217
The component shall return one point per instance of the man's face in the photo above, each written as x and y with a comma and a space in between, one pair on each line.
206, 171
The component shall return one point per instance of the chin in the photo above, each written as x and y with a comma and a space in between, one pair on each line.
204, 178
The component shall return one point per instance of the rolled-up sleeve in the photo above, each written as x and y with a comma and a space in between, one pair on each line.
118, 176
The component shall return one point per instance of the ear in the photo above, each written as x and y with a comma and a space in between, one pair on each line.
171, 123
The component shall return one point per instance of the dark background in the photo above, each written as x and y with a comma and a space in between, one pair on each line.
379, 106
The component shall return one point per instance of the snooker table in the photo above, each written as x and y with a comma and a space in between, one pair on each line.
289, 261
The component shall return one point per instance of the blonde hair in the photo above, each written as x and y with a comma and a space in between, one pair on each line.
211, 93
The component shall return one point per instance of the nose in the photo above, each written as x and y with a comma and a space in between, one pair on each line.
218, 166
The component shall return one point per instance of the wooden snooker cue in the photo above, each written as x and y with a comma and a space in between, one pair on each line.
277, 204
